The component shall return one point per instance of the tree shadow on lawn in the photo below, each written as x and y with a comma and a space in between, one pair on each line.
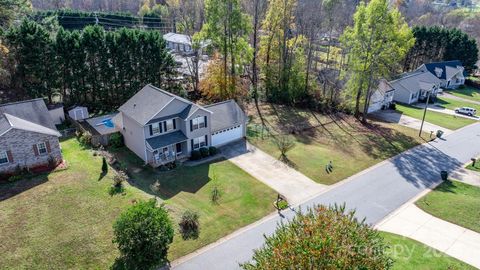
181, 179
421, 166
9, 190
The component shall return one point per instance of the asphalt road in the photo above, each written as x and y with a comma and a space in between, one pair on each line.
374, 194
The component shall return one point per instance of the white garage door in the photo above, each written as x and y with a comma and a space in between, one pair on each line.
227, 135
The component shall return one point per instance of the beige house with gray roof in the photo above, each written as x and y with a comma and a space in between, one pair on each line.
161, 127
413, 87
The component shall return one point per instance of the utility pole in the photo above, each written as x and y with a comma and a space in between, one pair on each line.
424, 113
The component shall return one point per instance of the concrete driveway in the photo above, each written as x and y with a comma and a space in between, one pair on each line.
295, 186
414, 223
374, 193
395, 117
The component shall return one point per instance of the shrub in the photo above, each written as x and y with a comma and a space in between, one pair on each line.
104, 165
52, 162
284, 145
116, 140
204, 152
143, 234
189, 225
212, 150
282, 205
196, 155
156, 187
85, 139
119, 178
215, 195
325, 236
15, 178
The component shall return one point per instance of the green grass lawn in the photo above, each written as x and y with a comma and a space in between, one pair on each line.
436, 118
244, 199
453, 104
468, 92
474, 168
63, 220
455, 202
351, 146
410, 254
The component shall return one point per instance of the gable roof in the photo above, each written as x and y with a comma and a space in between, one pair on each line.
384, 87
414, 82
149, 101
446, 67
177, 38
225, 114
30, 115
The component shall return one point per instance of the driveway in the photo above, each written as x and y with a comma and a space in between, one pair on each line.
404, 120
456, 241
374, 193
295, 186
437, 108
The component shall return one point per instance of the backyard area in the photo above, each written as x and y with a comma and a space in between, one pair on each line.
454, 202
351, 146
410, 254
441, 119
63, 220
467, 92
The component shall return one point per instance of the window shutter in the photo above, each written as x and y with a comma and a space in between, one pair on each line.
35, 149
47, 144
174, 123
151, 131
205, 121
9, 156
160, 126
206, 139
191, 125
165, 125
192, 143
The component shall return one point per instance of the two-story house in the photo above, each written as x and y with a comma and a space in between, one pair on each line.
161, 127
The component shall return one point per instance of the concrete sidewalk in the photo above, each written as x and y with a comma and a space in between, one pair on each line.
292, 184
467, 176
403, 120
414, 223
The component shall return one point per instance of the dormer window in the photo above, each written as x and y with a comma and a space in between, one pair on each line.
438, 72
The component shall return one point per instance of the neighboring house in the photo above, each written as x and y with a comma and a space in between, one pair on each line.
451, 73
414, 87
28, 137
178, 42
382, 97
57, 113
78, 112
161, 127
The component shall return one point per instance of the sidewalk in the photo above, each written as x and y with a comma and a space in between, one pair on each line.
467, 176
395, 117
456, 241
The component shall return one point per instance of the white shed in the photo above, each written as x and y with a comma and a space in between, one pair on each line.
78, 112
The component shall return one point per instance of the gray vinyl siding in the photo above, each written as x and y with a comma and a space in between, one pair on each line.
133, 135
179, 122
20, 144
198, 132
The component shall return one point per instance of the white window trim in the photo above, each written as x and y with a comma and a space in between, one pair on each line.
156, 128
197, 142
6, 156
169, 125
198, 122
38, 148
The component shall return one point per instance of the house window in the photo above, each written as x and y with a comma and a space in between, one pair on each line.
3, 158
199, 142
169, 124
198, 122
155, 128
42, 148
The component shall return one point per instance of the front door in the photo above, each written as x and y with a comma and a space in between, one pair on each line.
179, 148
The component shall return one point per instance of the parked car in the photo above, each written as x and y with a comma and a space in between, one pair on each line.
466, 110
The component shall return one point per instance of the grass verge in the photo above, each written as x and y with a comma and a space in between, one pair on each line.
454, 202
440, 119
468, 92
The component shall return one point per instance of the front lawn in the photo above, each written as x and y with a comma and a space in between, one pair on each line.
244, 199
454, 202
410, 254
64, 220
436, 118
319, 139
453, 104
468, 92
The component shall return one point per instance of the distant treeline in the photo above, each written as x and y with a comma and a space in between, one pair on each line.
77, 20
98, 68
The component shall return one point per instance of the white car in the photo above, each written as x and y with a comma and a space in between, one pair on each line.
466, 110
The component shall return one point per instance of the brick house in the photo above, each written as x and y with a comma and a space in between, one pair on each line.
28, 137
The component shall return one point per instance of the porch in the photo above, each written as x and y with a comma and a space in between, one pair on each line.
167, 148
